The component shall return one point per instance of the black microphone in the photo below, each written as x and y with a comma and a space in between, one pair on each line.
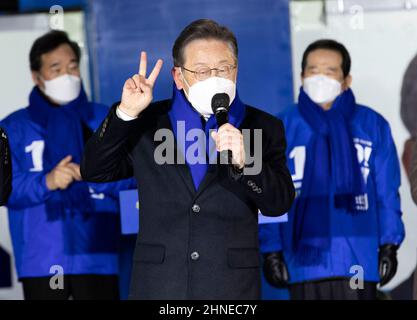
220, 107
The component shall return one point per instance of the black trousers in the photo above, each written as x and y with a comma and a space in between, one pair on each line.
332, 289
77, 287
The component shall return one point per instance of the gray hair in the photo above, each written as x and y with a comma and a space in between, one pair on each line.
202, 29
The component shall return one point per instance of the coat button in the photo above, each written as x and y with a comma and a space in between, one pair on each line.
196, 208
252, 184
195, 255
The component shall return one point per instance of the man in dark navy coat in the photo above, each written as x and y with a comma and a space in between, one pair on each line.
5, 168
198, 234
5, 190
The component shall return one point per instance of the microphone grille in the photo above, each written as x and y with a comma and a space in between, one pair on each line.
220, 101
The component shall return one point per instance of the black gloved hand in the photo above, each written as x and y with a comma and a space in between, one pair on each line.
275, 269
388, 263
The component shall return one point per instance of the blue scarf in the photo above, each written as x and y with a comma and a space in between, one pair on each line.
332, 175
182, 110
63, 132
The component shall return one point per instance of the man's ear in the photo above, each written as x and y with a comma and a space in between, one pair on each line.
36, 77
347, 83
176, 75
237, 72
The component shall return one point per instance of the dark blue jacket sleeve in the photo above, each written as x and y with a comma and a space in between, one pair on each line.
28, 189
269, 237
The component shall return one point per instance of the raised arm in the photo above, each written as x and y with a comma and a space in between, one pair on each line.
107, 153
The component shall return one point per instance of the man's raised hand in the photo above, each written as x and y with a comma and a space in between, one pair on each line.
137, 90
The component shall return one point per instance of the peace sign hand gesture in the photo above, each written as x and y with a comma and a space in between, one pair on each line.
137, 90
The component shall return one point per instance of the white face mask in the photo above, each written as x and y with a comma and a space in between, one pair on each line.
322, 89
63, 89
201, 93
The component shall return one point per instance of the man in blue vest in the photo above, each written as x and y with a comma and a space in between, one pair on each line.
65, 232
345, 226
